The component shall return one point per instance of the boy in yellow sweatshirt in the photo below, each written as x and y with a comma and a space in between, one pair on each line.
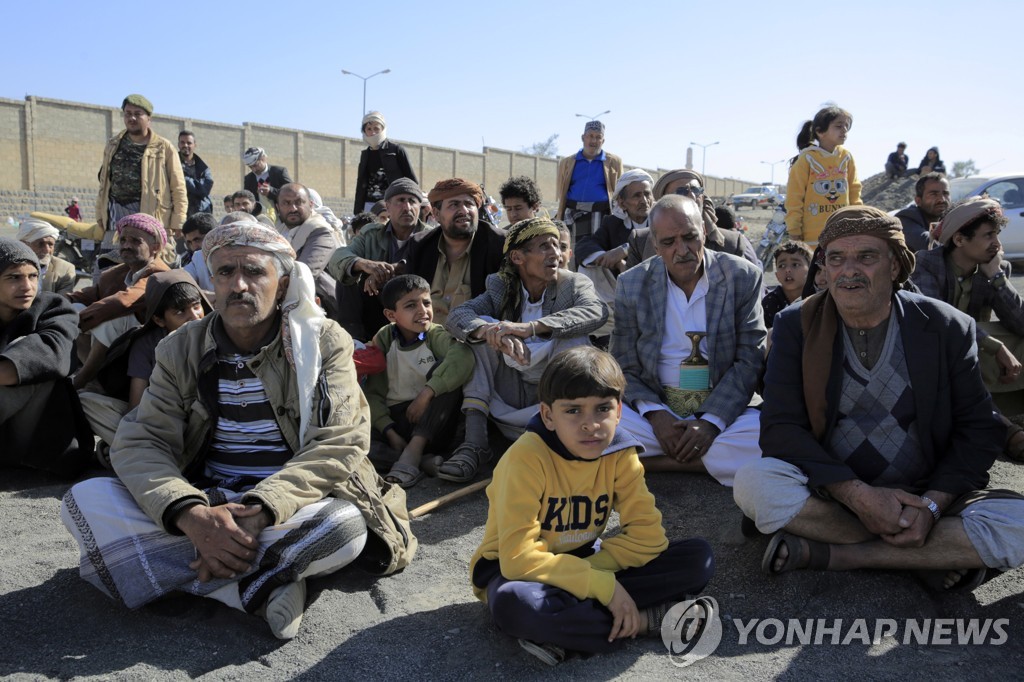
542, 568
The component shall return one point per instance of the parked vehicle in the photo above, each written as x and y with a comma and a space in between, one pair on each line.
70, 249
1008, 190
763, 196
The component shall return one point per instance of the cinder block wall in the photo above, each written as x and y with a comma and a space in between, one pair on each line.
51, 150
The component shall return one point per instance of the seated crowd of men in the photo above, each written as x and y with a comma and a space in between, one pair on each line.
247, 401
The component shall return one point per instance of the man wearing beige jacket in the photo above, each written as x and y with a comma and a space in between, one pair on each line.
141, 173
243, 471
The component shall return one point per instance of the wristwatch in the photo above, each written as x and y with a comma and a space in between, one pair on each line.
932, 507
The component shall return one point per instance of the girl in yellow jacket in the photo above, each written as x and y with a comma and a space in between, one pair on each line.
822, 177
542, 568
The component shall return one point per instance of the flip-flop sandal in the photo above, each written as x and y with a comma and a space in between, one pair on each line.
462, 466
404, 475
935, 580
816, 555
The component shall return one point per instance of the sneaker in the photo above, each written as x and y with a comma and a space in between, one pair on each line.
548, 653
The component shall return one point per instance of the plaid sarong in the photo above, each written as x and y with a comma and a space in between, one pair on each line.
131, 559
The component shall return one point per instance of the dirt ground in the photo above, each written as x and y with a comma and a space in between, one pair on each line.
425, 624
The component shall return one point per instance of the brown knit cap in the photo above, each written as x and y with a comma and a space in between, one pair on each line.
873, 222
453, 187
673, 175
970, 211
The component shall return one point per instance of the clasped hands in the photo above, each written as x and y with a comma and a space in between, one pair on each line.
683, 440
226, 537
899, 518
508, 338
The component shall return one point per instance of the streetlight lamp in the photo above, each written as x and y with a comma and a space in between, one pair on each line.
773, 164
704, 153
595, 116
349, 73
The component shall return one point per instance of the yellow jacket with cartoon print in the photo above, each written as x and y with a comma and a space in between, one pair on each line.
820, 183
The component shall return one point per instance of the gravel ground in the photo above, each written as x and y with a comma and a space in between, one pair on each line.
425, 624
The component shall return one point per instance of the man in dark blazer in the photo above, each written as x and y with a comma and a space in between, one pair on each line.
877, 430
689, 288
264, 180
457, 256
631, 205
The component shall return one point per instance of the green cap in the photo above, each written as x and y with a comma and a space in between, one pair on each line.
139, 101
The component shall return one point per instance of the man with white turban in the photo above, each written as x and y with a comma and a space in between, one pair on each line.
263, 180
243, 471
56, 275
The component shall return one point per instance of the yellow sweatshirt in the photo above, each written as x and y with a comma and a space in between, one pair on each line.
820, 183
543, 505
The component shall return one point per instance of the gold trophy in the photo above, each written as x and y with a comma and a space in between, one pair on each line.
694, 380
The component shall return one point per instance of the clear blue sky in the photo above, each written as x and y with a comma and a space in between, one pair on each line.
508, 74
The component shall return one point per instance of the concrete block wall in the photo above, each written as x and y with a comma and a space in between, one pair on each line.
52, 149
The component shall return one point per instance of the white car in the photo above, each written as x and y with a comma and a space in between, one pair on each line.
754, 197
1008, 190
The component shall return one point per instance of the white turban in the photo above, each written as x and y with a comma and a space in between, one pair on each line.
628, 178
32, 229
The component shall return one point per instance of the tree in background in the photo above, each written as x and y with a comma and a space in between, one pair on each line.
964, 169
548, 147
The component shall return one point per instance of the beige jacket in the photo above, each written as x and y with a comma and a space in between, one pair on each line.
164, 195
168, 432
60, 277
612, 173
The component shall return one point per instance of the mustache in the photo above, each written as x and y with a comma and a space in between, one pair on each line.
242, 297
689, 258
856, 279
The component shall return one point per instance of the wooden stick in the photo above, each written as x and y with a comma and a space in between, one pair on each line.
450, 497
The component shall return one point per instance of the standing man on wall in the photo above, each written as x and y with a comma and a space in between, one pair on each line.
141, 173
586, 183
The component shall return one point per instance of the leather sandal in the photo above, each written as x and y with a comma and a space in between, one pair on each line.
404, 475
462, 466
815, 556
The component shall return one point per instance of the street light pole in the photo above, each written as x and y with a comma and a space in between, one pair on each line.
704, 153
364, 79
773, 164
595, 116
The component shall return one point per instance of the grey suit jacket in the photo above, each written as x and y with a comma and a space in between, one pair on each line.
571, 307
735, 326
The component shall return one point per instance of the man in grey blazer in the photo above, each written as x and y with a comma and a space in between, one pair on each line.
530, 311
689, 288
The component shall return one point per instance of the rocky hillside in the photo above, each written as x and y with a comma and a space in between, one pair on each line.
887, 194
